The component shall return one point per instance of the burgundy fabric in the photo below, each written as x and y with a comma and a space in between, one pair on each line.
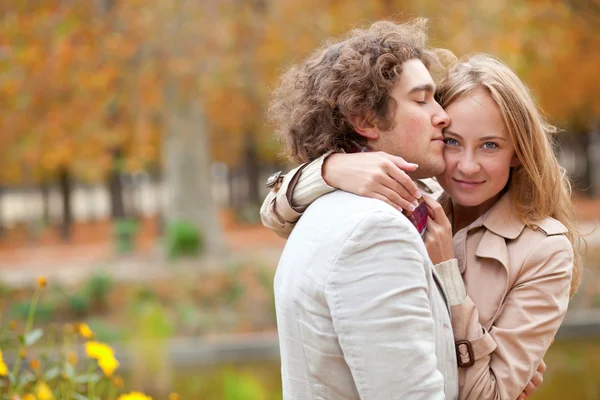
417, 217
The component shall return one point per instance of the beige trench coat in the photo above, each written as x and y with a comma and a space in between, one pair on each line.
517, 280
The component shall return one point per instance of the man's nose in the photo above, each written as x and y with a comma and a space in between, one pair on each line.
441, 119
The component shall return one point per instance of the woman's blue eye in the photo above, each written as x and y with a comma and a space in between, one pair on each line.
450, 142
490, 145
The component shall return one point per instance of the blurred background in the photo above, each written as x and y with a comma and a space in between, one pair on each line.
134, 150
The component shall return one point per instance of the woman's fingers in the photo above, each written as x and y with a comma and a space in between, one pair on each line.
542, 367
530, 389
403, 197
436, 208
537, 380
385, 200
402, 163
395, 198
534, 384
403, 180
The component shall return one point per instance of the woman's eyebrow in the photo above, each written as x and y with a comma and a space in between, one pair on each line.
490, 137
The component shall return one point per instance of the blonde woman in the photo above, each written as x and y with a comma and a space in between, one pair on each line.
504, 223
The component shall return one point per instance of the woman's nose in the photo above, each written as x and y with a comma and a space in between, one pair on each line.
468, 166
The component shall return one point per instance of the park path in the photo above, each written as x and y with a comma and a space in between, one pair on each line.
92, 249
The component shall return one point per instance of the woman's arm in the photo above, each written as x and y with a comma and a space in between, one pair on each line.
288, 199
373, 174
499, 364
531, 315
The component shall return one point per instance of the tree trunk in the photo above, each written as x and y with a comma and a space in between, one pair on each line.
45, 189
64, 180
231, 188
2, 230
187, 168
593, 158
115, 187
252, 170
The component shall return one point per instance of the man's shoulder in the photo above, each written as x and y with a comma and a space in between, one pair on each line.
351, 209
345, 202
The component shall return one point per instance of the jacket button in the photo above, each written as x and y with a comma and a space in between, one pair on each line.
273, 179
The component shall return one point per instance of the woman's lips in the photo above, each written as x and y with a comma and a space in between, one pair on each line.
467, 184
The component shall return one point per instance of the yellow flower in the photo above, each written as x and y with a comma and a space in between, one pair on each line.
3, 368
43, 392
42, 282
12, 325
118, 382
173, 396
72, 358
108, 364
84, 331
134, 396
29, 396
98, 350
34, 364
105, 356
22, 353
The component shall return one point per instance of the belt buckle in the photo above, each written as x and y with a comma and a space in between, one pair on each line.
470, 353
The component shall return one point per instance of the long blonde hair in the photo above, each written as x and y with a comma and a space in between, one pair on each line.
539, 187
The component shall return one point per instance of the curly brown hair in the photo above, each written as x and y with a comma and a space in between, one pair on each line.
312, 105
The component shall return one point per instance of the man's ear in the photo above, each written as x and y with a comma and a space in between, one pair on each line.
364, 127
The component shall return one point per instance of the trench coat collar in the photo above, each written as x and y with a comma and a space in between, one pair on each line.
502, 219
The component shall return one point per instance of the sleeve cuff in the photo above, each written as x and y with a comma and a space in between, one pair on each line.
310, 185
449, 274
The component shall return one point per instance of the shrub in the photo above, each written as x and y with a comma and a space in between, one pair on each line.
43, 312
99, 287
125, 232
78, 304
183, 239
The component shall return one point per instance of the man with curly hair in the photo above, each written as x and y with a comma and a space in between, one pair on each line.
360, 313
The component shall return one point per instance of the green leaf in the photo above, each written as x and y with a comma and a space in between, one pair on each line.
69, 371
11, 378
87, 378
78, 396
26, 377
52, 373
33, 336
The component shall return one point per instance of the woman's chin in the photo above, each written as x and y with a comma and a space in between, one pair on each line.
465, 200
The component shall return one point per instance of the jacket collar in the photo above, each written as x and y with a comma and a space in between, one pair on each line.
501, 223
502, 219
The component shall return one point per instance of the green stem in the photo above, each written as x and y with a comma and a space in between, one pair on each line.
91, 385
34, 301
112, 391
28, 325
93, 390
66, 344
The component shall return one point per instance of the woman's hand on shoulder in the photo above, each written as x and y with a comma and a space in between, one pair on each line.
373, 174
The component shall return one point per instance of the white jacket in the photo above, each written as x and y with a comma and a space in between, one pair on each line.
360, 312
